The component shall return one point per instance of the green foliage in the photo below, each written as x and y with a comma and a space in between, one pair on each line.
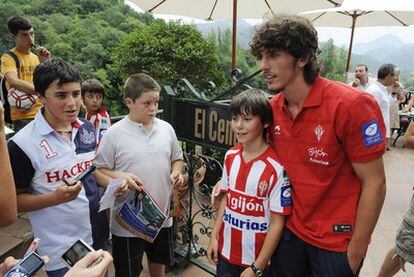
83, 32
168, 52
245, 61
332, 61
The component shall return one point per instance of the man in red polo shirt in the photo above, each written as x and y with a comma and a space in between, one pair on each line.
330, 137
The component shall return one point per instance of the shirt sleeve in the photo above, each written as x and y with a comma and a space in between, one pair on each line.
105, 155
224, 183
23, 170
280, 199
361, 129
176, 153
7, 64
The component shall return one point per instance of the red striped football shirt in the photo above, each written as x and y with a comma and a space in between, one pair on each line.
254, 189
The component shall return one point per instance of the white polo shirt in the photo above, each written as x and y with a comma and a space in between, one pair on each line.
128, 147
40, 159
380, 93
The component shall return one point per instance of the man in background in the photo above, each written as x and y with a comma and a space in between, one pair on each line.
361, 80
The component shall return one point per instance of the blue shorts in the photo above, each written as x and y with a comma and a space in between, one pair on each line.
296, 258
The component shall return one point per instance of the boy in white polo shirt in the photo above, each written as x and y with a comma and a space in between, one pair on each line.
144, 149
45, 155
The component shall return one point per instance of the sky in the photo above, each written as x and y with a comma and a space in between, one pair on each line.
340, 36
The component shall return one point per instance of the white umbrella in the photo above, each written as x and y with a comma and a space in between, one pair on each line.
231, 9
360, 13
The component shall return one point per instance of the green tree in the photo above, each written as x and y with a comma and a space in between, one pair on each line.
168, 52
332, 61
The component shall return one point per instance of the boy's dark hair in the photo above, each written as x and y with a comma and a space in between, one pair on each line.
385, 70
292, 33
254, 102
93, 86
138, 84
17, 23
54, 70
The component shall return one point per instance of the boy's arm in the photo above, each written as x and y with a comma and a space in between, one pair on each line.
101, 178
131, 180
212, 251
176, 169
277, 222
32, 202
19, 84
9, 71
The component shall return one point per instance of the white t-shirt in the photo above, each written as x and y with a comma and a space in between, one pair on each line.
128, 147
380, 93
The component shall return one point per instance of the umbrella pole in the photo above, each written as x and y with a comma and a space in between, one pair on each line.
233, 42
354, 17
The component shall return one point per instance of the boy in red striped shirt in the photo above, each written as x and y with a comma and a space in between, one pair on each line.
251, 214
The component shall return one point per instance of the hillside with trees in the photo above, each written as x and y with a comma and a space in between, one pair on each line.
107, 40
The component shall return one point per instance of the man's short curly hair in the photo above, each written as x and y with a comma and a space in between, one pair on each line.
292, 33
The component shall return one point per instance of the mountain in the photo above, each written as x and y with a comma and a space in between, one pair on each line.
244, 30
386, 49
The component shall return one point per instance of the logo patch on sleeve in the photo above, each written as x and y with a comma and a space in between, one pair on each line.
371, 133
286, 199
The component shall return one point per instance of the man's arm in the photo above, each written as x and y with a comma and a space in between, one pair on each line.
408, 139
372, 176
8, 204
18, 84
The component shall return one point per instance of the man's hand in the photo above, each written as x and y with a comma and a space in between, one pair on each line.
44, 54
177, 178
248, 272
356, 253
212, 250
65, 193
85, 267
356, 83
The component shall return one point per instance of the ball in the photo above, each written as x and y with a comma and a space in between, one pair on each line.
21, 100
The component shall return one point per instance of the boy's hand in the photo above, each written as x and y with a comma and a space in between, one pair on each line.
216, 194
65, 193
248, 272
122, 189
212, 250
133, 181
44, 54
177, 178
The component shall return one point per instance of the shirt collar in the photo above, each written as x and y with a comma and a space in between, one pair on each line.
140, 125
44, 128
314, 97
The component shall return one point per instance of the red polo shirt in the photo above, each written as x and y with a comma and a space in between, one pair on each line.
336, 126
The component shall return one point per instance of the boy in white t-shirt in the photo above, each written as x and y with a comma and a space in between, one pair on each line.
251, 214
142, 149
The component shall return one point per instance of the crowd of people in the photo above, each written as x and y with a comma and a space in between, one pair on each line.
300, 194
